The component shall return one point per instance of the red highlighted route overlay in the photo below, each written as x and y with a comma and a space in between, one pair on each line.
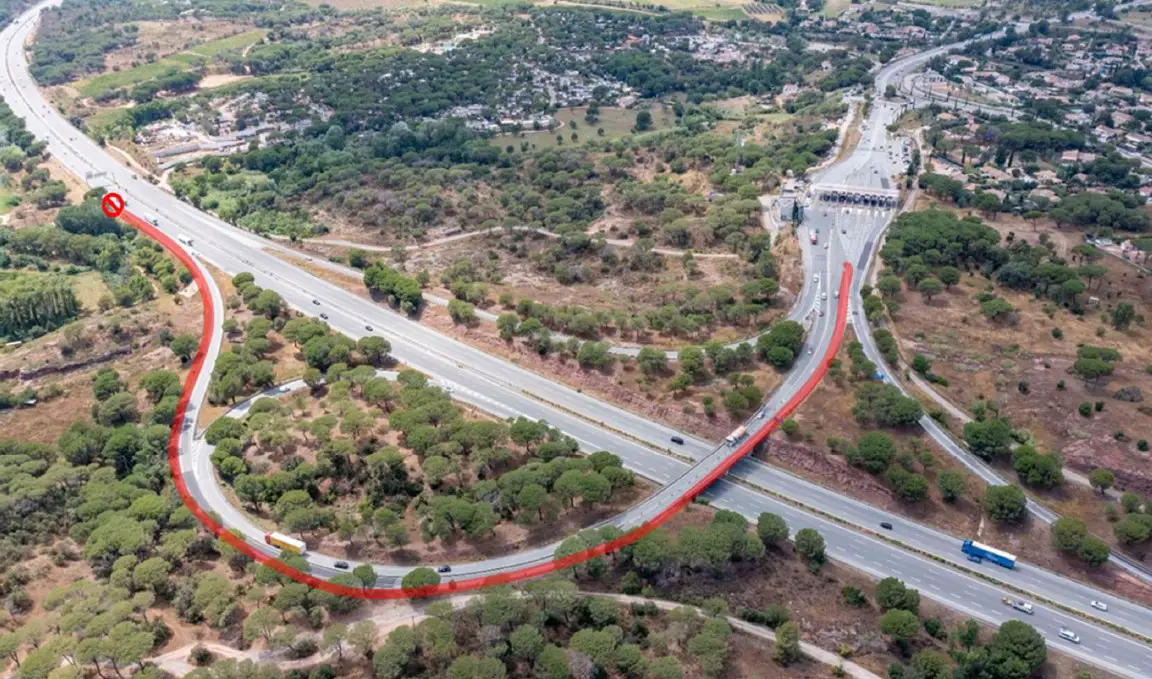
454, 586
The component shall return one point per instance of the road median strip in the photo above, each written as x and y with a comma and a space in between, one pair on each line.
619, 432
941, 560
454, 586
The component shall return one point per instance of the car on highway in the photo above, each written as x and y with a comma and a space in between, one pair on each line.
1018, 604
677, 440
155, 221
885, 525
823, 295
324, 316
342, 565
1099, 605
816, 278
1068, 634
444, 569
316, 301
368, 328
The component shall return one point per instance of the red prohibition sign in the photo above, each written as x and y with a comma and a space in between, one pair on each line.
112, 204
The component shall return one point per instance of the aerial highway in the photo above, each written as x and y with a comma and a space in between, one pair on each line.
874, 160
504, 389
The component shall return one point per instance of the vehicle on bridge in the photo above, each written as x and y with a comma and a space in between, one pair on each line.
285, 543
981, 551
737, 434
185, 240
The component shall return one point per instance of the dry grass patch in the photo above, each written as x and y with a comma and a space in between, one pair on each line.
159, 39
1021, 364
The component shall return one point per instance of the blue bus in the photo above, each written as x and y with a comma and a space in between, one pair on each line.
978, 552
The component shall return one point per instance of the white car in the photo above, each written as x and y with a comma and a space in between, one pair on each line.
1068, 634
1099, 605
1022, 606
816, 278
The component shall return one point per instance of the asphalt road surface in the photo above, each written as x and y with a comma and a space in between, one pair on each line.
504, 390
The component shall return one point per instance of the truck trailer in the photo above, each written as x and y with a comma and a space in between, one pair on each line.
978, 552
737, 434
285, 543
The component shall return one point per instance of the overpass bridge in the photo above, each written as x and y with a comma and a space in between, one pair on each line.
863, 195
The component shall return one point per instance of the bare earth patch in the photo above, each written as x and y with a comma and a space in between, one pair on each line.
220, 79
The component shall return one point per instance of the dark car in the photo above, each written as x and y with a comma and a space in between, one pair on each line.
885, 525
316, 301
342, 565
368, 328
677, 440
324, 316
444, 569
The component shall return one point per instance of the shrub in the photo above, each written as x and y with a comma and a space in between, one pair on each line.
853, 596
200, 656
1085, 409
1005, 504
771, 617
1131, 502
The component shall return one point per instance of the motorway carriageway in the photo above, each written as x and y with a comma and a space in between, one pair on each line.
858, 550
914, 570
675, 504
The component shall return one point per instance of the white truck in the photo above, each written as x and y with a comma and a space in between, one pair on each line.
737, 434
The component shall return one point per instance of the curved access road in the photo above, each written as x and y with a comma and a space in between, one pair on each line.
876, 160
506, 390
684, 482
